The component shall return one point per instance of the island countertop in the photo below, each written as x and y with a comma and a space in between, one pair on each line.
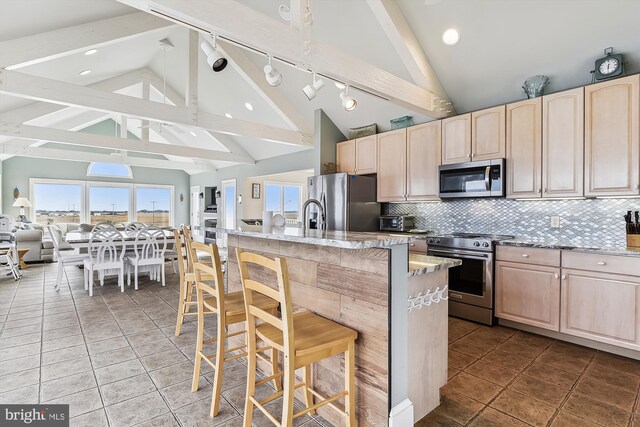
337, 239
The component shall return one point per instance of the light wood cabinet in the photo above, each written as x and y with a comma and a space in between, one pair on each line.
563, 144
456, 139
524, 149
528, 294
602, 307
392, 166
612, 144
357, 156
488, 134
548, 257
423, 159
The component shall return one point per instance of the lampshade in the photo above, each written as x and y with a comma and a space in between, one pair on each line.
22, 202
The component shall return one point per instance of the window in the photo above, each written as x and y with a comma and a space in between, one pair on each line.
57, 202
153, 205
229, 203
109, 169
284, 199
108, 203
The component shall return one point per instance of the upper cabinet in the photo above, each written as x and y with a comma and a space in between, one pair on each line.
488, 134
524, 149
456, 139
392, 166
423, 160
612, 145
357, 156
563, 144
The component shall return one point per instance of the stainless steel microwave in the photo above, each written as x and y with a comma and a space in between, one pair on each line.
484, 178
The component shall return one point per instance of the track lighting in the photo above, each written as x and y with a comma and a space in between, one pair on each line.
273, 76
216, 61
312, 89
348, 102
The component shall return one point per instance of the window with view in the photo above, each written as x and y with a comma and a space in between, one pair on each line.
108, 204
284, 199
153, 206
57, 203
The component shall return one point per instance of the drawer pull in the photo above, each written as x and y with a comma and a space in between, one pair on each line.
525, 255
602, 263
556, 276
564, 276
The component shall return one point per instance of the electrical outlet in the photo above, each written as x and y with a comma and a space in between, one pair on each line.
555, 221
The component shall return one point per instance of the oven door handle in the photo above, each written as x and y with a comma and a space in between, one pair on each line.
471, 255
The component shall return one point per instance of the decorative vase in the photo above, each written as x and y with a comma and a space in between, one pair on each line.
534, 86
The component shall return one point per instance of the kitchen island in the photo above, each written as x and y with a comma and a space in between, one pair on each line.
365, 281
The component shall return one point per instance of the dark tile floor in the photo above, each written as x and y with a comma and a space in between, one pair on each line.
113, 357
502, 377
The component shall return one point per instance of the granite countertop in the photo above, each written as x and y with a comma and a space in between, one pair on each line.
423, 264
549, 244
338, 239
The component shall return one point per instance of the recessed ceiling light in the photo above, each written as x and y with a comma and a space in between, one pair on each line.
193, 133
248, 106
228, 116
450, 37
91, 52
85, 72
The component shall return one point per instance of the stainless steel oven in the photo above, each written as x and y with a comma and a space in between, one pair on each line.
474, 179
470, 284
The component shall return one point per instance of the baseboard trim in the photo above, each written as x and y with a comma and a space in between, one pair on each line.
401, 415
574, 340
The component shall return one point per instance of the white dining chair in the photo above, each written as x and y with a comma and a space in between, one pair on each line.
135, 226
148, 255
106, 256
64, 258
103, 226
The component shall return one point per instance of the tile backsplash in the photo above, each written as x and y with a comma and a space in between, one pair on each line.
591, 222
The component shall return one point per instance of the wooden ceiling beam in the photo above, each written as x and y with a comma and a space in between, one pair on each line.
29, 50
240, 23
48, 90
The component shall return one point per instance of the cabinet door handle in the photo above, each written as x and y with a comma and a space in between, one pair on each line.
564, 276
525, 255
473, 154
602, 263
545, 190
540, 190
556, 276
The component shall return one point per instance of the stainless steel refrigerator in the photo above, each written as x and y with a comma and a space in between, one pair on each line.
349, 202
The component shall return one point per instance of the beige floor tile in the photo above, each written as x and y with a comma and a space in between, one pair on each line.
491, 372
596, 411
539, 390
458, 407
614, 378
606, 393
523, 408
136, 410
617, 363
127, 388
460, 360
507, 360
492, 418
435, 419
473, 387
561, 361
565, 419
557, 377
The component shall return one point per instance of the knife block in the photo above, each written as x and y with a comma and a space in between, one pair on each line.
633, 240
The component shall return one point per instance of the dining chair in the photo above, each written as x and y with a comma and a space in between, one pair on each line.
63, 258
106, 256
303, 337
135, 226
148, 255
229, 309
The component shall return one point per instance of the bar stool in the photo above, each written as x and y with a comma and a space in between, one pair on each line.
187, 278
230, 309
304, 338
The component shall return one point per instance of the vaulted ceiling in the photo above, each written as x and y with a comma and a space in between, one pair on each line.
502, 43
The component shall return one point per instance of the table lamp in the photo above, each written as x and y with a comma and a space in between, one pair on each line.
22, 202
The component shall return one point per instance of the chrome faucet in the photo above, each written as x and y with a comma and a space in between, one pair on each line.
321, 218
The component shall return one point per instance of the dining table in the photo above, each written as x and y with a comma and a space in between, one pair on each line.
80, 239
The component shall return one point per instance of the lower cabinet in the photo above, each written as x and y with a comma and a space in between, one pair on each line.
601, 307
528, 294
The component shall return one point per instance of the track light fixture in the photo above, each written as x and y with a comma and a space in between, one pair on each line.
348, 102
273, 76
311, 90
216, 61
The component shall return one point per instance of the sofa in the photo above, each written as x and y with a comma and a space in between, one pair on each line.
38, 241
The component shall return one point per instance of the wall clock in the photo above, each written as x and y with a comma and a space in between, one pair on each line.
610, 65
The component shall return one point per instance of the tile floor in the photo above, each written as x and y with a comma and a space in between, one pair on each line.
502, 377
114, 357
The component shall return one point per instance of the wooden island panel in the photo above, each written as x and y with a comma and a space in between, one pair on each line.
349, 286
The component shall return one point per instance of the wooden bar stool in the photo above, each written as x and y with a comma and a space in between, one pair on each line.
304, 338
230, 309
187, 278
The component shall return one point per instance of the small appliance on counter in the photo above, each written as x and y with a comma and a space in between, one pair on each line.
397, 223
349, 202
484, 178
